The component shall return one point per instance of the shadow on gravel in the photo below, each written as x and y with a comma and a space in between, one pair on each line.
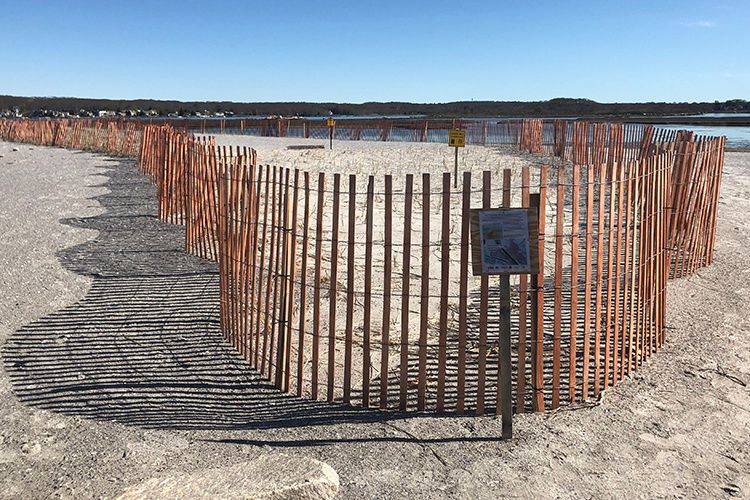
143, 347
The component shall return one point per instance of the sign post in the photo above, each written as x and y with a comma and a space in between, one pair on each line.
502, 243
331, 123
456, 139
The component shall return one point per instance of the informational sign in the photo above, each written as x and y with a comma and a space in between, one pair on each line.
457, 138
330, 122
504, 241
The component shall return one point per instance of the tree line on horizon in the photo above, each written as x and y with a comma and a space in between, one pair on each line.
559, 107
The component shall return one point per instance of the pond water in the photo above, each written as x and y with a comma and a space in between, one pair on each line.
737, 137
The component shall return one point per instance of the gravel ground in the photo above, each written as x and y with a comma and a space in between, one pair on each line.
114, 371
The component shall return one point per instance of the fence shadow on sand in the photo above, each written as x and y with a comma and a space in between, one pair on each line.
144, 346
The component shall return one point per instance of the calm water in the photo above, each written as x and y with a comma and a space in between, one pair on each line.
737, 137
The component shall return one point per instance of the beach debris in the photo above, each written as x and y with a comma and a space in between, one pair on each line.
731, 489
719, 370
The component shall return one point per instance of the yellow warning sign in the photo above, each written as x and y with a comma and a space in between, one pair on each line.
330, 122
457, 138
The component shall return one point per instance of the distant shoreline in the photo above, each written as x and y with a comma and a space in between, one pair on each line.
643, 112
723, 121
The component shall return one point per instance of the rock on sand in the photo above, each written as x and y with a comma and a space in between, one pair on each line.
271, 476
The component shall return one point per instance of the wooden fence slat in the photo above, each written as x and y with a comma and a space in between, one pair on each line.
645, 261
463, 293
659, 249
587, 281
387, 270
574, 223
425, 299
261, 268
619, 343
231, 241
654, 268
366, 330
537, 306
504, 396
291, 271
212, 213
647, 266
652, 252
333, 287
246, 277
557, 332
405, 288
303, 286
444, 289
642, 254
279, 284
235, 182
349, 330
523, 297
610, 342
222, 194
717, 174
483, 306
280, 293
601, 181
314, 375
237, 177
634, 270
625, 236
269, 278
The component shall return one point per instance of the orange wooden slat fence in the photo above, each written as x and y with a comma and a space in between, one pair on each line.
633, 207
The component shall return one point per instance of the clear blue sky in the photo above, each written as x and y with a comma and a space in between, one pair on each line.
361, 50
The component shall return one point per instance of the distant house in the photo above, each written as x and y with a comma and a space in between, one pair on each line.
105, 114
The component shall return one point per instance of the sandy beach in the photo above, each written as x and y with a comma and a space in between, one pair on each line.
87, 269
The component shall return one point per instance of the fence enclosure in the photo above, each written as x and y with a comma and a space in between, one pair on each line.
392, 265
358, 289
